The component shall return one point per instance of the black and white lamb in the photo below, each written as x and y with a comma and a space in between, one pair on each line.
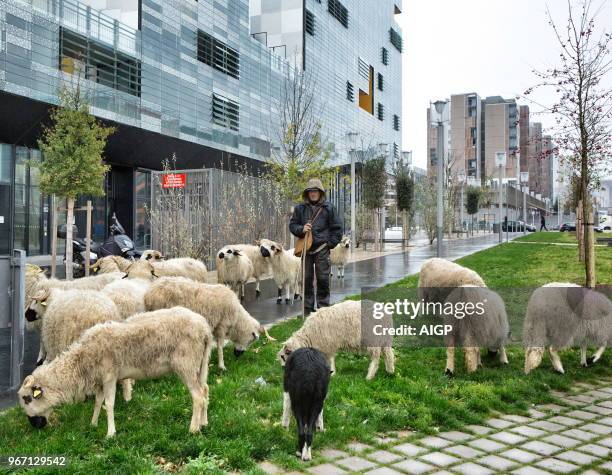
305, 388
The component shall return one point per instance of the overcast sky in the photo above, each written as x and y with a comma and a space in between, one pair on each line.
484, 46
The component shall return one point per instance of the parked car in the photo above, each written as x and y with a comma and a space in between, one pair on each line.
566, 227
517, 227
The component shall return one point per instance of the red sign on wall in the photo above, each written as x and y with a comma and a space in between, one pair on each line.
174, 180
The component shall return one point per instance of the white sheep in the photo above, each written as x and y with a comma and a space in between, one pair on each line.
261, 266
234, 269
340, 254
36, 281
218, 304
333, 329
479, 320
285, 269
66, 314
437, 279
108, 264
128, 293
564, 314
148, 345
188, 267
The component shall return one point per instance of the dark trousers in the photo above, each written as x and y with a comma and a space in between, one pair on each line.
317, 264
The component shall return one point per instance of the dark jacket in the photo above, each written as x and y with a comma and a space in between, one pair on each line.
325, 229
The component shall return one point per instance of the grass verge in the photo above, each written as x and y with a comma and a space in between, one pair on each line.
244, 416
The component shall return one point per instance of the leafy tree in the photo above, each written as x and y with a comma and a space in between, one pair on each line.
373, 187
427, 205
404, 191
73, 147
474, 197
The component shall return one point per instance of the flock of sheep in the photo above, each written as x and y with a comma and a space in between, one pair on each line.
143, 319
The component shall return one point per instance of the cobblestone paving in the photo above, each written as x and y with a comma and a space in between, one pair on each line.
574, 435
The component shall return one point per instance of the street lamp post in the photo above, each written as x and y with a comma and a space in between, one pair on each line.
461, 178
525, 189
352, 143
500, 161
382, 151
439, 106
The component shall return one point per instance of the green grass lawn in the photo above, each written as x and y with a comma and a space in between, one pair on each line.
244, 417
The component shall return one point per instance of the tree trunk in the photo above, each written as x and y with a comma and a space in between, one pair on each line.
69, 221
580, 232
589, 251
405, 228
376, 229
53, 235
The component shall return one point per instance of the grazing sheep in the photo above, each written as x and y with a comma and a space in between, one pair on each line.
485, 324
36, 281
437, 279
216, 303
339, 255
107, 264
182, 267
440, 273
66, 314
148, 345
128, 293
564, 314
285, 269
305, 385
177, 267
234, 269
333, 329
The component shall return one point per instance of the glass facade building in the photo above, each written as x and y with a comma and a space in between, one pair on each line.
185, 77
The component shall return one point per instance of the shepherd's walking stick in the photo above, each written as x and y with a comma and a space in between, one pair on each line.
303, 266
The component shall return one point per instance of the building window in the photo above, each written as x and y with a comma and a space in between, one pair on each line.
396, 153
225, 112
350, 95
473, 135
338, 11
98, 63
396, 122
384, 56
380, 112
396, 39
310, 23
381, 82
218, 55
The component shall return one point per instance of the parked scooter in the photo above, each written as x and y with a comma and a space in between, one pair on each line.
117, 244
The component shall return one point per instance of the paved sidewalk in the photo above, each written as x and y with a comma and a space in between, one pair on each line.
574, 435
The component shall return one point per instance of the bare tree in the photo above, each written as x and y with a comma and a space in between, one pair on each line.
175, 222
583, 108
301, 153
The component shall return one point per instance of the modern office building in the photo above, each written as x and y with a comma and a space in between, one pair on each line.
199, 79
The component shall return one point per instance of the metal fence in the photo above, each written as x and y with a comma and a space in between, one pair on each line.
196, 212
12, 324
